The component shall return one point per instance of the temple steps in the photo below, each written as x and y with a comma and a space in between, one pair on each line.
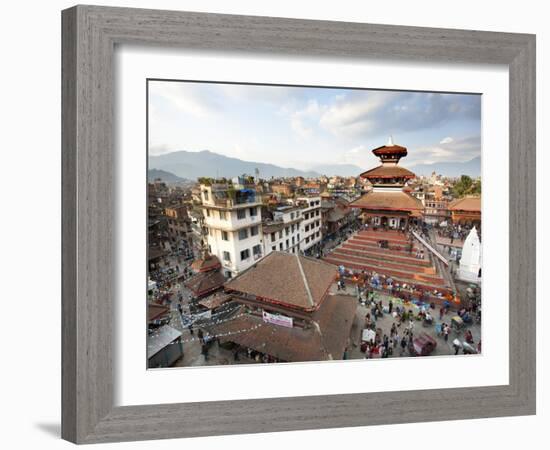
401, 279
389, 261
384, 268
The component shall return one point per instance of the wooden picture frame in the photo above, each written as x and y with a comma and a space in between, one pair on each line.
90, 34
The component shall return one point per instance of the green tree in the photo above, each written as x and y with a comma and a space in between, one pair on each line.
462, 186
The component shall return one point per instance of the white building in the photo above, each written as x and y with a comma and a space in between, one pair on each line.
232, 219
310, 226
470, 261
283, 233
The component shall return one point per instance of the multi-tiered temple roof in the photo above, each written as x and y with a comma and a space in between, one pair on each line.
388, 181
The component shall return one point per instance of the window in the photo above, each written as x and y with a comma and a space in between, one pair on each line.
245, 254
291, 216
297, 213
273, 238
253, 212
298, 237
306, 216
253, 231
293, 241
293, 227
317, 234
222, 215
307, 239
243, 234
257, 250
205, 195
281, 246
241, 214
287, 231
227, 256
273, 248
311, 204
307, 228
207, 213
225, 236
280, 234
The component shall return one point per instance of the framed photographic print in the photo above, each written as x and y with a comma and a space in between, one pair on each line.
278, 224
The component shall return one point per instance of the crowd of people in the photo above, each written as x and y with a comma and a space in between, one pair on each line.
367, 281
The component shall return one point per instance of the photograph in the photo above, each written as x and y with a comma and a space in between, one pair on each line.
293, 224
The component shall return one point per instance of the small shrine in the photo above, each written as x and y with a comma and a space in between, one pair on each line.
470, 262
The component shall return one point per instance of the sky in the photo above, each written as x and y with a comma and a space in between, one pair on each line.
301, 127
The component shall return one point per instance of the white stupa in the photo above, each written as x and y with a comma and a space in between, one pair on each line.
470, 262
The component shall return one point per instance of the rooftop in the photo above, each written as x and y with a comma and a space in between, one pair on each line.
385, 171
160, 338
286, 279
204, 282
326, 340
391, 201
468, 203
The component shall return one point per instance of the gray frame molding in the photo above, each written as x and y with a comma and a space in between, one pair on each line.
89, 36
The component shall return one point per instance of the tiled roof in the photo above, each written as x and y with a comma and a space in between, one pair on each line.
315, 343
209, 262
156, 311
388, 172
469, 203
204, 282
285, 278
385, 149
390, 201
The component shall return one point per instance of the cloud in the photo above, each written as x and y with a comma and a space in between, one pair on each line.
305, 121
190, 98
446, 140
461, 150
361, 113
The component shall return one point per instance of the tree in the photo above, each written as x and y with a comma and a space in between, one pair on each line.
461, 187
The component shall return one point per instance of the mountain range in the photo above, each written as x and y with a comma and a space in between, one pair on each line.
191, 165
163, 175
205, 163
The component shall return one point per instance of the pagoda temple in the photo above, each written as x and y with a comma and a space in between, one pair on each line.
388, 205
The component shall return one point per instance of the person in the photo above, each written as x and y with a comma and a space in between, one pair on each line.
456, 346
403, 345
390, 306
446, 331
204, 351
201, 336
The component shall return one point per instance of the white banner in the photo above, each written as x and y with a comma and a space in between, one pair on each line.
277, 319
